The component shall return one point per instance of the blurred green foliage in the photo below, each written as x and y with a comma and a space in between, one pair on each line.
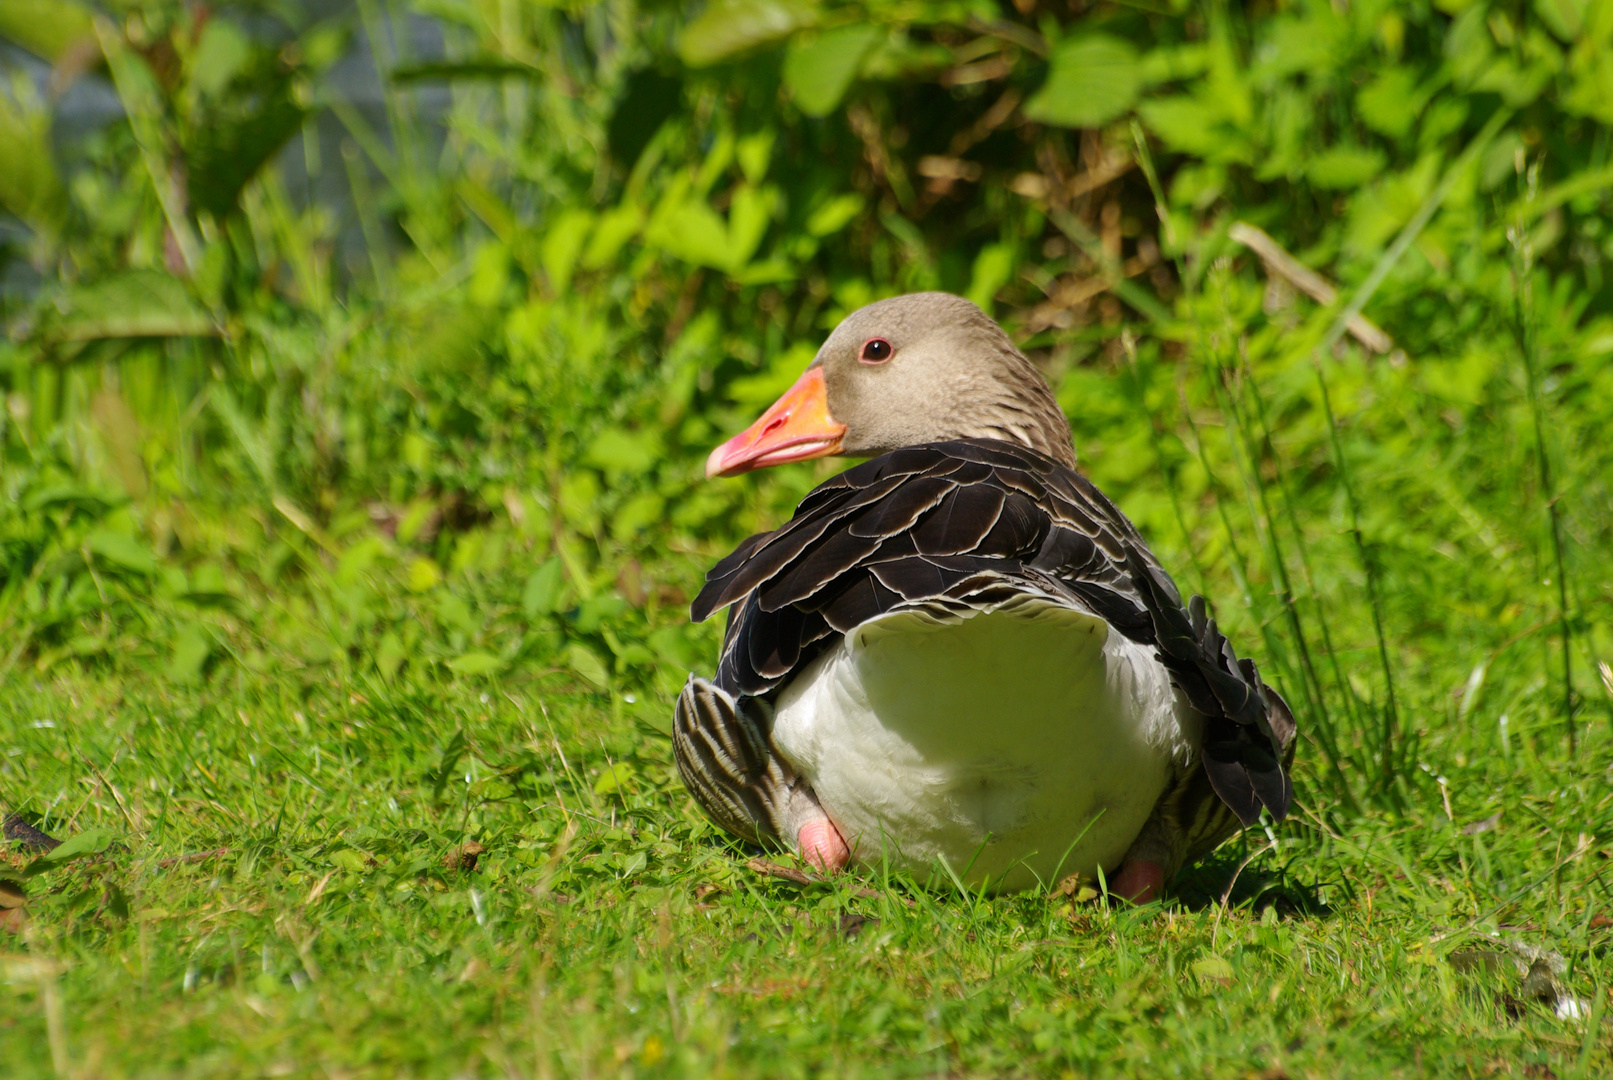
453, 420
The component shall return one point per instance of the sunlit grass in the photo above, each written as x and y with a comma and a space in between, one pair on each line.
281, 902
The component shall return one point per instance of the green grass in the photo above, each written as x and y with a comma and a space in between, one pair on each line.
607, 930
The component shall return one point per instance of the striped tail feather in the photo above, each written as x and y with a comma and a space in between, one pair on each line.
724, 750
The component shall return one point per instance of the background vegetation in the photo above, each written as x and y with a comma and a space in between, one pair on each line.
361, 362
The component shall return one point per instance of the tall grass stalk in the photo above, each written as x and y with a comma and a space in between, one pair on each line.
1238, 564
1335, 333
1326, 730
1156, 438
1523, 328
1369, 567
1247, 458
1346, 690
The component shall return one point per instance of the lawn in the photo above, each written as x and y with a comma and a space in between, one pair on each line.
360, 363
286, 895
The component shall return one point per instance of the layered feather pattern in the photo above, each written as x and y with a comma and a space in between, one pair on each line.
974, 522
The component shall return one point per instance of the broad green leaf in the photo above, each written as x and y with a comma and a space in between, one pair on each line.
491, 788
1195, 126
1315, 42
88, 842
563, 243
993, 268
1342, 167
693, 232
750, 213
585, 662
1093, 79
1213, 969
1389, 104
134, 303
597, 611
614, 778
637, 514
219, 56
389, 655
728, 27
623, 451
1166, 63
542, 593
29, 186
352, 861
1592, 91
1564, 18
1468, 46
475, 663
192, 646
834, 215
424, 575
47, 28
615, 228
122, 551
818, 69
237, 136
755, 153
761, 390
1519, 84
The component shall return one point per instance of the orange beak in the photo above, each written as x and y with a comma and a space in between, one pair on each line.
796, 427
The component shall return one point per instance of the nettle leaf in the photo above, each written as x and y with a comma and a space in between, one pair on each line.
122, 551
542, 593
818, 69
693, 232
728, 27
615, 778
1197, 126
1343, 167
475, 663
562, 245
89, 842
1564, 18
29, 185
620, 450
835, 214
47, 28
1093, 80
192, 647
236, 140
220, 55
1390, 103
134, 303
585, 662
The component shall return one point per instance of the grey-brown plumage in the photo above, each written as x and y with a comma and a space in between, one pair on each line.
972, 500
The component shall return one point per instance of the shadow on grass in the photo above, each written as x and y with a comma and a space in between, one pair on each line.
1200, 887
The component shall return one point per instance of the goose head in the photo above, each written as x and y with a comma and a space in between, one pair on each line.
926, 367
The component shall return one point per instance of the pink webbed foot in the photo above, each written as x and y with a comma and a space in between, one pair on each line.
822, 845
1139, 881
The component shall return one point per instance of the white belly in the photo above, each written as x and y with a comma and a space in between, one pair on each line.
1015, 744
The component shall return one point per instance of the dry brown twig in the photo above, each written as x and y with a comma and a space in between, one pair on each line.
1278, 261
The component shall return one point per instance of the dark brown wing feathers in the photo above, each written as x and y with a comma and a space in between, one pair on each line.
976, 521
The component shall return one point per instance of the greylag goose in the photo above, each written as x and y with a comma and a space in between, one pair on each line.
960, 650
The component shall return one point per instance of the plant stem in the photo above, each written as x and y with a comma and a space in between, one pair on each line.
1523, 328
1358, 301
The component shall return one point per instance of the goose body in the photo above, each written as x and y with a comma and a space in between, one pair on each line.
1016, 742
960, 651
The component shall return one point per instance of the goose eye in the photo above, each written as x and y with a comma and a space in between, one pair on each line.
876, 351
